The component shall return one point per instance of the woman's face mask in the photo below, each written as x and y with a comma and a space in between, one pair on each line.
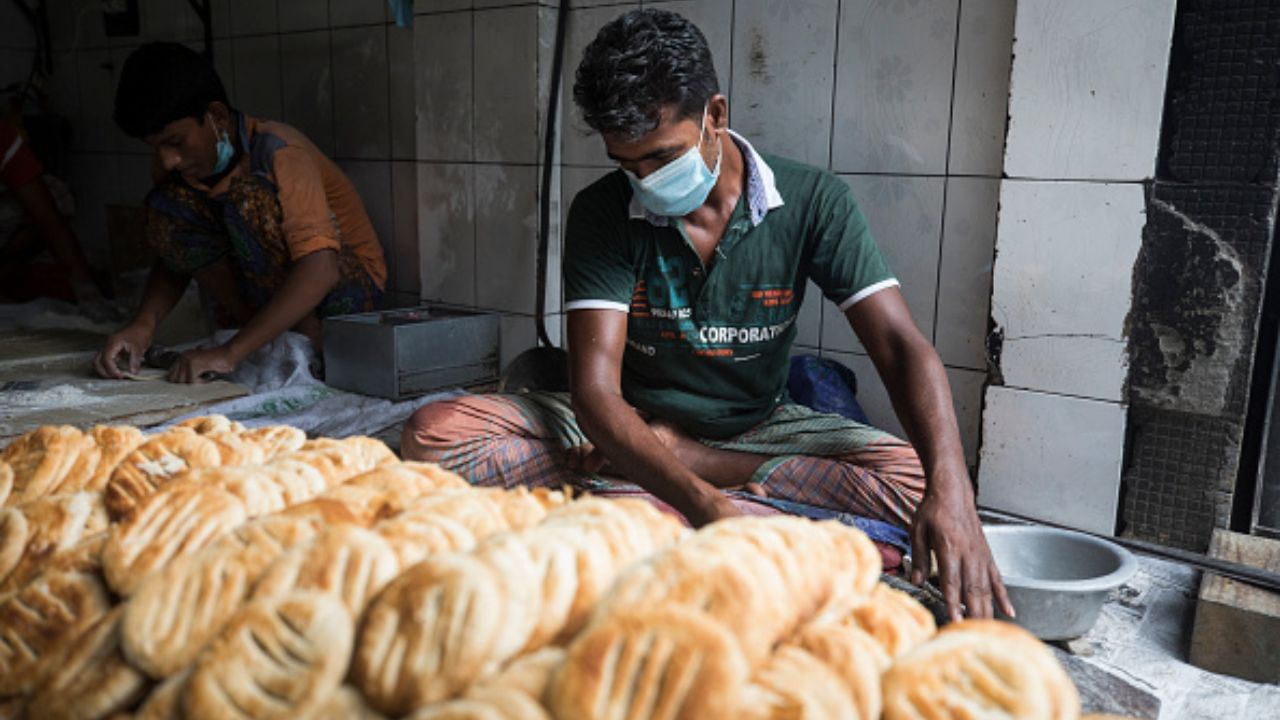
682, 185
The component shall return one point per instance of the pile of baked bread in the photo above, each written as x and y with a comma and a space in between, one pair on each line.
209, 571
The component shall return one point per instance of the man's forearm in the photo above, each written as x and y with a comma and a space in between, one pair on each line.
921, 396
308, 281
633, 450
163, 290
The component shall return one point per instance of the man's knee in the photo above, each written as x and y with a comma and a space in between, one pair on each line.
436, 428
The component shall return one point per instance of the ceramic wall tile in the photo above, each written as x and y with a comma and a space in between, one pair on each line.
905, 216
1052, 458
446, 232
1063, 284
966, 397
783, 75
75, 24
438, 6
442, 82
401, 90
252, 17
298, 15
168, 20
893, 85
964, 279
506, 237
980, 106
372, 180
506, 65
256, 60
357, 12
362, 125
404, 210
307, 77
94, 129
224, 65
519, 333
579, 144
1087, 90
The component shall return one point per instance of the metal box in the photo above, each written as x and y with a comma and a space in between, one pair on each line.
398, 354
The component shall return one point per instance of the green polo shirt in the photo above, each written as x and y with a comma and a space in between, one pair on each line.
709, 347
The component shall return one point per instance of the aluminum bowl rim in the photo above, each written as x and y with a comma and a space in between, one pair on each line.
1128, 564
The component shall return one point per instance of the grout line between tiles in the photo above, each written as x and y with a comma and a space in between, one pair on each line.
946, 164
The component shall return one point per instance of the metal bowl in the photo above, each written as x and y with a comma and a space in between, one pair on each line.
1057, 579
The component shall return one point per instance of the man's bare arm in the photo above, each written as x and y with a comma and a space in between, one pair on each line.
946, 523
597, 339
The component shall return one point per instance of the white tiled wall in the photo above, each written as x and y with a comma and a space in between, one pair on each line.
1084, 122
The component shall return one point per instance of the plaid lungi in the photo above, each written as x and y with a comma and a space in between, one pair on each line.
816, 458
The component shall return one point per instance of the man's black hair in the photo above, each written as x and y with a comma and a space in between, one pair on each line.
638, 64
162, 82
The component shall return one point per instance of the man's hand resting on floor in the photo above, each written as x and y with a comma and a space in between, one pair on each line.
946, 525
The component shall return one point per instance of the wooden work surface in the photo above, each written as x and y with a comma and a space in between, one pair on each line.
47, 381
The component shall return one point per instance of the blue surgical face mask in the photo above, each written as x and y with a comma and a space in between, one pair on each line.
681, 186
225, 151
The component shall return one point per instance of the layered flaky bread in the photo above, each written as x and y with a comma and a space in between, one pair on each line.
350, 563
154, 463
177, 610
660, 663
42, 459
855, 657
428, 633
114, 443
279, 658
346, 703
90, 678
894, 619
6, 482
207, 424
34, 533
980, 668
165, 701
42, 619
795, 684
491, 703
180, 520
276, 440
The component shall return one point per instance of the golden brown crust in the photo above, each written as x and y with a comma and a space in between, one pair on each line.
345, 704
330, 511
208, 424
980, 667
428, 634
276, 440
388, 489
180, 520
340, 460
895, 619
42, 459
347, 562
115, 443
279, 658
519, 507
795, 684
235, 450
154, 463
54, 525
41, 619
490, 703
165, 701
854, 656
90, 679
6, 483
418, 537
176, 611
530, 674
662, 663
